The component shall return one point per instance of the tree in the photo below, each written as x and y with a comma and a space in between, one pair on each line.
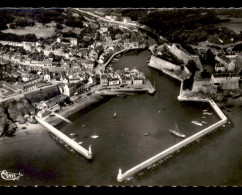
205, 74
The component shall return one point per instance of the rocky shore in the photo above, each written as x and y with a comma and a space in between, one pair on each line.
12, 112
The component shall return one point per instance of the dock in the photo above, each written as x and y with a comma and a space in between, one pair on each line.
86, 153
129, 173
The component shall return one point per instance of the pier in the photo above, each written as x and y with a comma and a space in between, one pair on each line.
86, 153
129, 173
61, 117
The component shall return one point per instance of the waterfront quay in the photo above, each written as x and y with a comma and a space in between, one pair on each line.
146, 87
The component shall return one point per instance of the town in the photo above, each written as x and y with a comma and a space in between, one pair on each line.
64, 62
56, 64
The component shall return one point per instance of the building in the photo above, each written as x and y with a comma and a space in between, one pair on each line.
53, 103
114, 81
220, 67
228, 63
226, 80
137, 81
70, 89
104, 79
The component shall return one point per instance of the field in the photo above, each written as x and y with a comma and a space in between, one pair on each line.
234, 23
39, 30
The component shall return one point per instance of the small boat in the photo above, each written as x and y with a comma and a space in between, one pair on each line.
72, 133
94, 136
223, 125
115, 114
159, 111
205, 110
146, 134
207, 113
197, 123
204, 117
79, 143
204, 122
177, 132
74, 139
83, 125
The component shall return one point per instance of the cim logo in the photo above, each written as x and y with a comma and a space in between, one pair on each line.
10, 176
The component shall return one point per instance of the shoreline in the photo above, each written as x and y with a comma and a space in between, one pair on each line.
66, 112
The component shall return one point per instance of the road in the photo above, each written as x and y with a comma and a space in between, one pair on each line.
19, 95
118, 22
107, 20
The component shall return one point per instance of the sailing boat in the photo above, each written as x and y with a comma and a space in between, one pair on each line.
177, 132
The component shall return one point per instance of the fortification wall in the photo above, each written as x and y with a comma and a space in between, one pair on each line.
185, 56
160, 64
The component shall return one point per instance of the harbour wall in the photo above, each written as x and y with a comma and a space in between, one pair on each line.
121, 177
129, 173
67, 140
160, 64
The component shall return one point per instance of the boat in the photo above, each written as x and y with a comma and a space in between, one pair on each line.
74, 139
115, 114
79, 143
205, 110
176, 132
83, 125
94, 136
197, 123
204, 122
72, 133
207, 113
146, 134
204, 117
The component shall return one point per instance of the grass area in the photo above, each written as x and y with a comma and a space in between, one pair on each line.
234, 24
39, 30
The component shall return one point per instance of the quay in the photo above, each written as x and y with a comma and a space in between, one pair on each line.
117, 90
67, 140
129, 173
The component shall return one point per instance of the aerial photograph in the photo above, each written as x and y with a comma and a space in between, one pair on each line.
120, 96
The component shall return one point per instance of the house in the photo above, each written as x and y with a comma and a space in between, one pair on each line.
73, 41
228, 63
137, 81
114, 81
226, 80
68, 89
28, 45
87, 64
126, 80
53, 103
29, 87
126, 19
93, 54
220, 67
104, 79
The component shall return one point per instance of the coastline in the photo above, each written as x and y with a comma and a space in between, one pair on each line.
65, 112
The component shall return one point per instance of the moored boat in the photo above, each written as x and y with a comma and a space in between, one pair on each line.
177, 132
197, 123
94, 136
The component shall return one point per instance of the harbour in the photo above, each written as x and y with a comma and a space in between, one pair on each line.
126, 130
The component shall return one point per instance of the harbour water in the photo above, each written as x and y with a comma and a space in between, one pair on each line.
215, 160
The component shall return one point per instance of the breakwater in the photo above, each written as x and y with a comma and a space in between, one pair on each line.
67, 140
129, 173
